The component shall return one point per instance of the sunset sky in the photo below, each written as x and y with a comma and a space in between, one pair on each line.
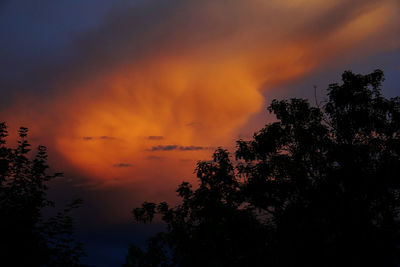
129, 94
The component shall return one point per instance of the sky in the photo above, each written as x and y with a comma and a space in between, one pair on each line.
129, 94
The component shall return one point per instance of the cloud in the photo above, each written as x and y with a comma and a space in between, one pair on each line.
89, 138
104, 137
122, 165
180, 148
193, 148
155, 137
164, 148
161, 66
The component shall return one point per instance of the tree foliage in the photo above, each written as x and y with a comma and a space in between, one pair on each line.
318, 187
26, 238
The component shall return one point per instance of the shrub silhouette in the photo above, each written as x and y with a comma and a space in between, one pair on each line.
318, 187
27, 239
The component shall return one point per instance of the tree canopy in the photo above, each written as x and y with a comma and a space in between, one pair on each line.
26, 237
317, 187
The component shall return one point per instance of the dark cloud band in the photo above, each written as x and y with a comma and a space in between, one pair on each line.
179, 148
122, 165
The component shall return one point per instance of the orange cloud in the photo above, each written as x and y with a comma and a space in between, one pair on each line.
192, 74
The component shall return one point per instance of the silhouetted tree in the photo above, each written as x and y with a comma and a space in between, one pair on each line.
318, 187
26, 238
